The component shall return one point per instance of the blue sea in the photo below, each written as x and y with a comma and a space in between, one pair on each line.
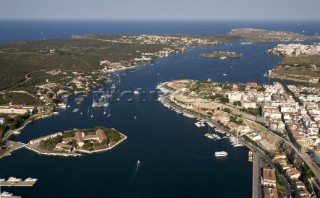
176, 158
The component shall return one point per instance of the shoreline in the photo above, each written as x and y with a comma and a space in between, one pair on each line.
186, 113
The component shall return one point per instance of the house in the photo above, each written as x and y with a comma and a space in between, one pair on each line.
269, 178
270, 192
64, 147
101, 135
249, 104
293, 173
38, 140
304, 193
79, 138
16, 109
300, 185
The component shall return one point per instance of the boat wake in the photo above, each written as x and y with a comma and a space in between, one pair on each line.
135, 171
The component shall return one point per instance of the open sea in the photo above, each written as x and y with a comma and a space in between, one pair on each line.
176, 158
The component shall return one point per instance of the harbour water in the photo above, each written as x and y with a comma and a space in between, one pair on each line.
176, 159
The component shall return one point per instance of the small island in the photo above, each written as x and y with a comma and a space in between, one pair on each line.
221, 55
77, 141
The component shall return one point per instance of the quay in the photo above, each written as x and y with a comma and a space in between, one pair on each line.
13, 183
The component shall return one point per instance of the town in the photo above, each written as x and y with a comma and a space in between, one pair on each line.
267, 116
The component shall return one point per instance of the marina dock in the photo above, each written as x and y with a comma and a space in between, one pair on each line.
11, 182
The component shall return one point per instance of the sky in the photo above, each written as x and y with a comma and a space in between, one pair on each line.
161, 9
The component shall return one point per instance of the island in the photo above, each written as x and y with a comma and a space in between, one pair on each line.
300, 63
221, 55
77, 141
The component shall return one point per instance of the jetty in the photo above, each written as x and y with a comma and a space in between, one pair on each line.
12, 181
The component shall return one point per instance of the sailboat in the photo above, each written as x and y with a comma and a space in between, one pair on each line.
91, 114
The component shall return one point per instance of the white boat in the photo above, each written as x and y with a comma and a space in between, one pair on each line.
224, 74
31, 179
199, 124
211, 135
220, 154
6, 194
136, 92
238, 145
246, 43
62, 105
223, 57
13, 179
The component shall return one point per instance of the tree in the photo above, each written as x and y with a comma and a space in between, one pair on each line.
281, 146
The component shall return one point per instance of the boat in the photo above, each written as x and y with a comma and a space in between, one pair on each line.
199, 124
224, 74
2, 180
31, 179
138, 162
246, 43
135, 117
223, 57
136, 92
13, 179
250, 156
238, 145
220, 154
211, 135
6, 194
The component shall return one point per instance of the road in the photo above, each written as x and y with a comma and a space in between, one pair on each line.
256, 175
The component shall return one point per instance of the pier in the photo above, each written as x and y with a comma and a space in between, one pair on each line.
11, 183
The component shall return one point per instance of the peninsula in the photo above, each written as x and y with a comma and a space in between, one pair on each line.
77, 141
299, 62
260, 35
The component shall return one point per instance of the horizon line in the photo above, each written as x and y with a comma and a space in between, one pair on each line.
165, 20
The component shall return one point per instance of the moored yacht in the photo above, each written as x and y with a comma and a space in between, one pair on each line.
6, 194
13, 179
31, 179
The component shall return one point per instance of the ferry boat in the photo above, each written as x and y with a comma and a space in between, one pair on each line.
13, 179
220, 154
